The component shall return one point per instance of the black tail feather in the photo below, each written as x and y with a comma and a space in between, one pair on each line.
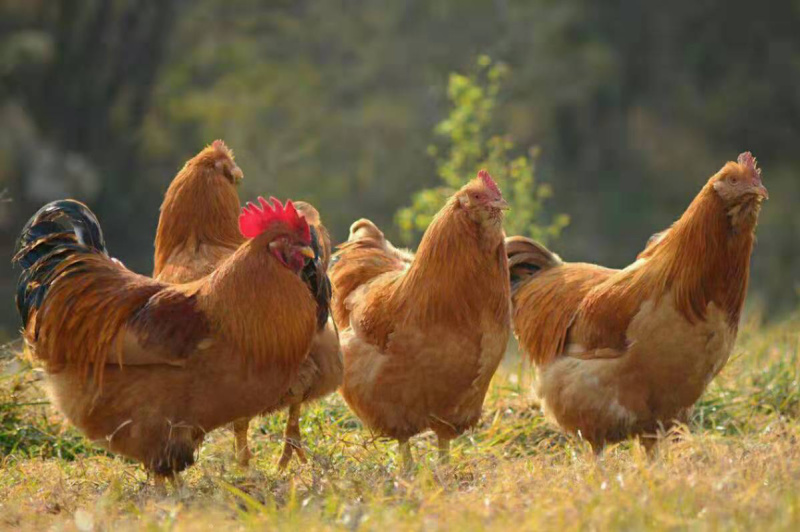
315, 276
34, 282
58, 230
82, 220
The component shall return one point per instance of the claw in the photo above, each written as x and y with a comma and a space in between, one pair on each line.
290, 446
286, 456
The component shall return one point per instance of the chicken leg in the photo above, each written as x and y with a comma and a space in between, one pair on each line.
405, 454
240, 448
160, 485
293, 442
444, 450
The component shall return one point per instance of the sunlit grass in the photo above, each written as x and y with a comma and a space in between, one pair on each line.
736, 466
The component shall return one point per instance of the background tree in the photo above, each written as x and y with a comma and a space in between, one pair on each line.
469, 146
633, 105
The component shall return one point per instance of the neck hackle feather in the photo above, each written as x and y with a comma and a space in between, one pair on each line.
200, 207
460, 268
702, 259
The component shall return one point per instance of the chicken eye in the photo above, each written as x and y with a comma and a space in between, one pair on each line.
733, 180
224, 169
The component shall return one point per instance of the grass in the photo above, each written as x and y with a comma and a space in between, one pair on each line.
736, 466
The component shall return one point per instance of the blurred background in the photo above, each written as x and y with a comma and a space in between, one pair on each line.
619, 110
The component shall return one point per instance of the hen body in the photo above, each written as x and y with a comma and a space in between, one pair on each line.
197, 231
145, 368
627, 352
423, 335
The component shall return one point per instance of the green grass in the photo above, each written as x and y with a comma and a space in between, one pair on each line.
736, 466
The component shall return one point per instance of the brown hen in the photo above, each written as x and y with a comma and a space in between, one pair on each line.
628, 352
423, 335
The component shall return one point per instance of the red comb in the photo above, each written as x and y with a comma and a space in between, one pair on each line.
255, 219
489, 182
747, 160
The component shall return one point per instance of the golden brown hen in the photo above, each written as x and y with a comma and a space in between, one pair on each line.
198, 225
627, 352
423, 335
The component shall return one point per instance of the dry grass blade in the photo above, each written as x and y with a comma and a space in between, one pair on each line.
734, 467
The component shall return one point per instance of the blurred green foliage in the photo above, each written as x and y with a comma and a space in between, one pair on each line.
632, 104
28, 426
470, 146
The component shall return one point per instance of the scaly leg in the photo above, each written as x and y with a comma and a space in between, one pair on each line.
650, 443
405, 455
161, 487
293, 442
597, 448
240, 448
444, 450
177, 482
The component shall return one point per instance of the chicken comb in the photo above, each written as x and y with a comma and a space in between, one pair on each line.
221, 148
489, 182
255, 219
747, 160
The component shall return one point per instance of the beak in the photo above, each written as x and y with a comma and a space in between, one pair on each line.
237, 175
761, 191
307, 252
499, 204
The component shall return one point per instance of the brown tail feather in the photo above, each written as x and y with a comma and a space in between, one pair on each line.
364, 229
366, 255
89, 303
526, 258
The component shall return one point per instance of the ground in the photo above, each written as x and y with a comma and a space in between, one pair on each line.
735, 466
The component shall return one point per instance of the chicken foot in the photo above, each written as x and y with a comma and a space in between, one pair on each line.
160, 485
293, 442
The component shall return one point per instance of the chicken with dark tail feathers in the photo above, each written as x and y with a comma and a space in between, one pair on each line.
144, 368
197, 231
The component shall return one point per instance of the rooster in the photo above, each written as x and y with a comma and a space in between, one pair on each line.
628, 352
197, 230
422, 335
145, 368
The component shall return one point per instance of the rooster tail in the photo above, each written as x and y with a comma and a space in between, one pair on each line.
366, 255
365, 229
316, 278
526, 258
56, 232
315, 273
72, 297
